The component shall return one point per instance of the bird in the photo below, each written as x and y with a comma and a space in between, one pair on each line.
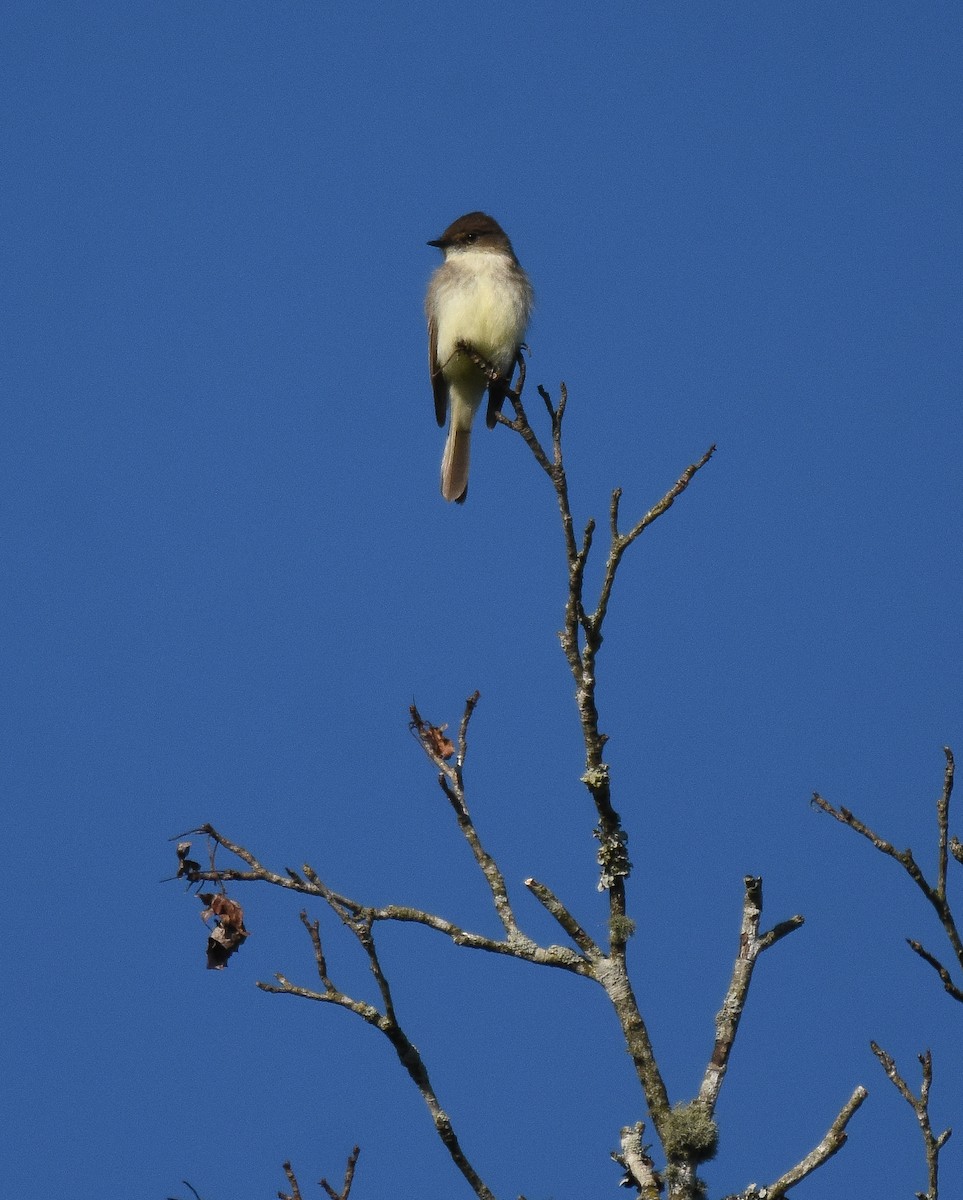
480, 296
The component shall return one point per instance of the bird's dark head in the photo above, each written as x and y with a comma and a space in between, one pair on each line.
474, 230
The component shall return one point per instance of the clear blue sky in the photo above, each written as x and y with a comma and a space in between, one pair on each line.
227, 571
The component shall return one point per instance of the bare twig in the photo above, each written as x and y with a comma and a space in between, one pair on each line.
551, 903
938, 967
935, 894
831, 1144
348, 1178
920, 1106
581, 640
360, 920
518, 945
187, 1185
751, 945
581, 635
295, 1192
943, 818
452, 781
620, 542
386, 1023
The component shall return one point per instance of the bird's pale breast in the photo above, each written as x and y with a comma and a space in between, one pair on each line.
478, 305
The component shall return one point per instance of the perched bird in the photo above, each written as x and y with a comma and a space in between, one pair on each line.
480, 296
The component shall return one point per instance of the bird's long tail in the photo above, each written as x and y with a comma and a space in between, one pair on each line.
454, 464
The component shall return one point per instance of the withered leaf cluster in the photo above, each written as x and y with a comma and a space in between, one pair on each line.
432, 737
229, 934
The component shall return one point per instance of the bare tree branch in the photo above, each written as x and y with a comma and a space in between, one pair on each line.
451, 779
387, 1023
547, 898
938, 967
935, 894
687, 1131
751, 945
581, 639
634, 1159
831, 1144
187, 1185
295, 1192
943, 819
920, 1106
348, 1178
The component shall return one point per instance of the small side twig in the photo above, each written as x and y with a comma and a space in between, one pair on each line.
935, 894
386, 1022
934, 962
348, 1178
295, 1192
831, 1144
187, 1185
452, 782
920, 1106
551, 903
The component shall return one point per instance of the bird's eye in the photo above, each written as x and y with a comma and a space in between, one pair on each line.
471, 237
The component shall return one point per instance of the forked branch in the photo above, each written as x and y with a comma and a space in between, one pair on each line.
687, 1132
751, 945
581, 634
348, 1178
936, 893
386, 1022
933, 1144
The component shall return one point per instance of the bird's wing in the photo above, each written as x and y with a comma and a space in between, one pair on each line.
496, 395
496, 398
438, 386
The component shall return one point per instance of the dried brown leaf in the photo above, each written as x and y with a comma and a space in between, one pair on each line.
432, 737
229, 934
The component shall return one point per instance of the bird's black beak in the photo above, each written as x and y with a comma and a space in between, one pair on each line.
439, 242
